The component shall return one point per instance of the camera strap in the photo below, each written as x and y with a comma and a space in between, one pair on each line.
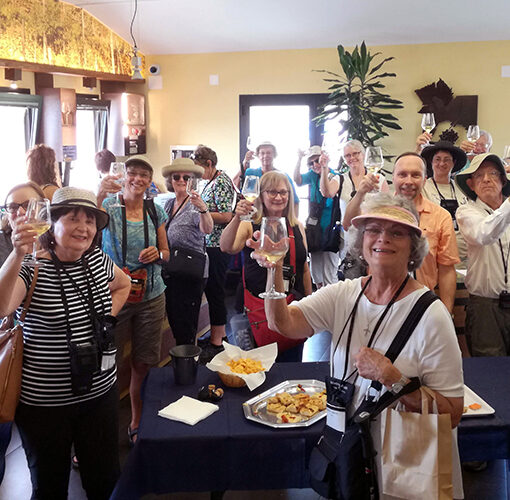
452, 189
505, 260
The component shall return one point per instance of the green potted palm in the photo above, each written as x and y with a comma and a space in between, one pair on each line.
359, 91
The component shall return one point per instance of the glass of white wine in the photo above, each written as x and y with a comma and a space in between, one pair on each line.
428, 123
274, 245
374, 162
473, 134
506, 156
118, 169
39, 218
251, 190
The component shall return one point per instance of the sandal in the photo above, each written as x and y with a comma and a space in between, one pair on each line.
74, 462
132, 435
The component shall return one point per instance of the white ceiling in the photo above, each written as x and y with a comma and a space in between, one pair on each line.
194, 26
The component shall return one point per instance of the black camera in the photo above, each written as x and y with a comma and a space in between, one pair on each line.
504, 300
84, 363
104, 330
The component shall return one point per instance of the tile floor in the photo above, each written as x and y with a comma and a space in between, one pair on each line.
491, 484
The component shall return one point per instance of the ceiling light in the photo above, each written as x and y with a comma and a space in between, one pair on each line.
136, 60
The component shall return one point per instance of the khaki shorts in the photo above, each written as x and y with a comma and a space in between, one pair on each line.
145, 320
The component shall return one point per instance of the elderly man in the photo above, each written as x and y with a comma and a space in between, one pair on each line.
438, 267
485, 224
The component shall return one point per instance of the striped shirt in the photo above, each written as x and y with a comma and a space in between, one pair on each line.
46, 379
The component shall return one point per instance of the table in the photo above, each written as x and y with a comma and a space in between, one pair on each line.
228, 452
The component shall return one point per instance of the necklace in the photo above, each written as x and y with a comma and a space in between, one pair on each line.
369, 321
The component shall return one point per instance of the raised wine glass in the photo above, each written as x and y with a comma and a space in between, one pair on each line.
118, 169
251, 190
428, 123
374, 162
473, 134
274, 245
39, 218
192, 185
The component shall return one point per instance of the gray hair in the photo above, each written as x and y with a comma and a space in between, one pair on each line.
488, 136
354, 144
354, 239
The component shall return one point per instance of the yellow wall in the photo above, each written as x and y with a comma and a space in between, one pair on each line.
188, 110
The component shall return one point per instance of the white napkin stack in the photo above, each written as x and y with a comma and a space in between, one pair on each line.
188, 410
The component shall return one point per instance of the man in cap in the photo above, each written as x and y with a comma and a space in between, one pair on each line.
443, 160
438, 268
485, 225
324, 264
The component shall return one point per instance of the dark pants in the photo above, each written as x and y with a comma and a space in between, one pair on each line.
183, 301
5, 439
215, 288
47, 434
487, 327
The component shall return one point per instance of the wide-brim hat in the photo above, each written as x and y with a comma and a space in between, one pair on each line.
462, 177
392, 213
459, 157
183, 165
139, 160
71, 197
314, 151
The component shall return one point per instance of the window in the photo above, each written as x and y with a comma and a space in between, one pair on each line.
18, 128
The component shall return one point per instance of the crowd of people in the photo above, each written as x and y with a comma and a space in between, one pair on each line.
108, 265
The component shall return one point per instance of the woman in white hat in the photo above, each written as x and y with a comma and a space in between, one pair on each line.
365, 314
68, 388
321, 219
188, 222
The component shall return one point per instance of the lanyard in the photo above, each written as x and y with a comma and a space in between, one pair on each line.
505, 260
352, 317
172, 216
452, 189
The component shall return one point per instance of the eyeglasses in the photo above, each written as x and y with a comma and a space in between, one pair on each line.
348, 156
274, 193
177, 177
493, 174
134, 173
395, 234
441, 159
13, 208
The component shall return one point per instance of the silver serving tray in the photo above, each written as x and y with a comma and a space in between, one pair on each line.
255, 408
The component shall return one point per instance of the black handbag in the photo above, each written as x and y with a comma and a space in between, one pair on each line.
185, 263
313, 228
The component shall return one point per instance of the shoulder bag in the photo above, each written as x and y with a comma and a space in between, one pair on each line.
184, 262
11, 359
342, 465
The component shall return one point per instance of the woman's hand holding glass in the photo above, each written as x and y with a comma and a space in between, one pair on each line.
38, 220
23, 236
251, 191
118, 173
374, 162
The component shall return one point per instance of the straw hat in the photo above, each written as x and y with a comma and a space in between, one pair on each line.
476, 162
183, 165
71, 197
140, 160
314, 151
390, 213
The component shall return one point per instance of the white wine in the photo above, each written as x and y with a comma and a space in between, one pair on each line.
428, 129
250, 197
374, 169
272, 257
39, 227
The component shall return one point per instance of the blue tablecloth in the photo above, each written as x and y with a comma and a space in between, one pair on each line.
228, 452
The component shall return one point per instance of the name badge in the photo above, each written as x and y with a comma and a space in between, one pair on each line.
335, 418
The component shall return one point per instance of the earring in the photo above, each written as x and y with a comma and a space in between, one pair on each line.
361, 258
411, 262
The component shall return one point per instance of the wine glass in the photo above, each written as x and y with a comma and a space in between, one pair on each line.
428, 123
473, 134
191, 185
506, 156
274, 244
38, 216
374, 162
118, 169
251, 190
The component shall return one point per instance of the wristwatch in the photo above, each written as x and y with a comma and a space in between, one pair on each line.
399, 384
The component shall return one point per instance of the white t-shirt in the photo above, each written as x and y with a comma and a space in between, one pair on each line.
432, 352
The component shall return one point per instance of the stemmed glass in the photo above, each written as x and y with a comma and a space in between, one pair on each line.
251, 146
251, 190
428, 123
118, 169
506, 156
192, 185
274, 244
374, 162
473, 134
38, 216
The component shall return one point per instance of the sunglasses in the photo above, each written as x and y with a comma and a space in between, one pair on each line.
177, 177
13, 208
311, 162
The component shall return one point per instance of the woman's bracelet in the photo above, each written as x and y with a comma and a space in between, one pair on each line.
203, 211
